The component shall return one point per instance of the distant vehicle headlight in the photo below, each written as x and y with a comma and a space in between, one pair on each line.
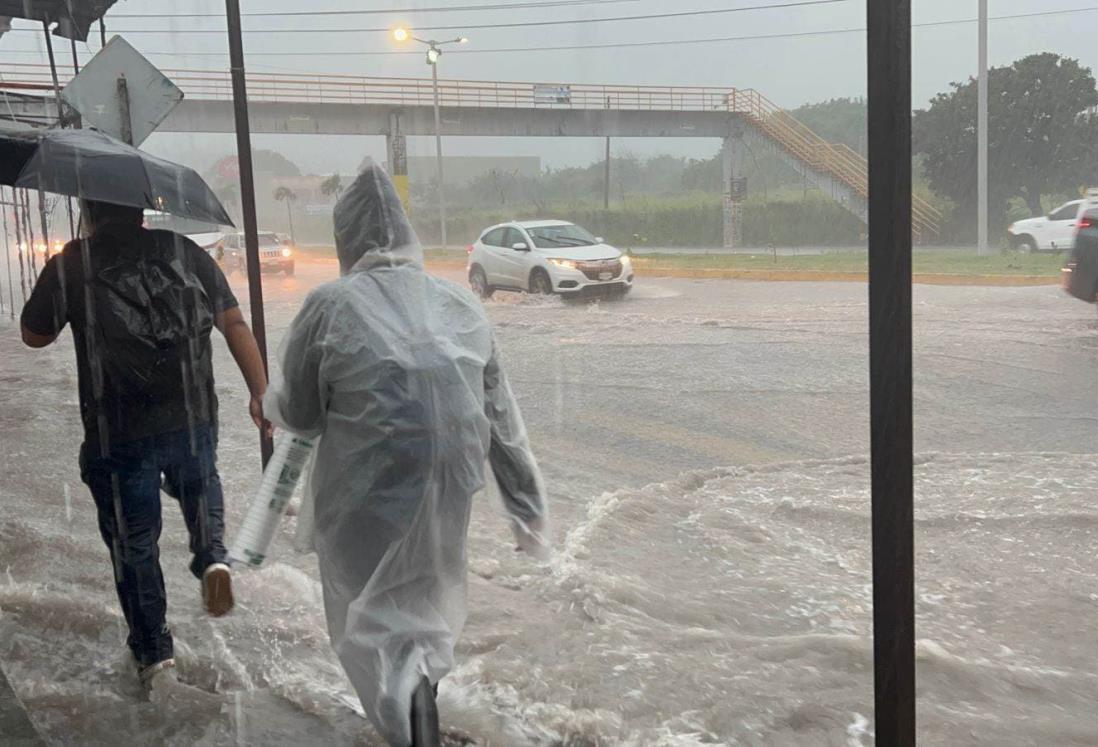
566, 263
287, 252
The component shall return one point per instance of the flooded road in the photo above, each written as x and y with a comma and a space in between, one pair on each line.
704, 444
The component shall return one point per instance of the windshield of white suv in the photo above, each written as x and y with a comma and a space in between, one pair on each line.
568, 234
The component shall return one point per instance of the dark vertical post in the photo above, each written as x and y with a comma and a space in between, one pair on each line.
889, 87
19, 242
60, 111
102, 33
7, 252
606, 178
125, 124
396, 148
247, 193
606, 171
53, 72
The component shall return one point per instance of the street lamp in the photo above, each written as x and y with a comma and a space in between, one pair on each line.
434, 52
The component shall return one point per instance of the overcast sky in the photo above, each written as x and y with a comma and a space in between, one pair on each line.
798, 67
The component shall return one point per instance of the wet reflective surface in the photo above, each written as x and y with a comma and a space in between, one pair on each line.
703, 443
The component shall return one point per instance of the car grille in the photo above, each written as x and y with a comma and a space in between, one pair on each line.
270, 253
594, 269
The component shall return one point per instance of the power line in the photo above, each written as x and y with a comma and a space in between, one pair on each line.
383, 11
610, 45
511, 25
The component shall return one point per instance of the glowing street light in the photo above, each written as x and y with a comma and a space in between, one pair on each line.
434, 53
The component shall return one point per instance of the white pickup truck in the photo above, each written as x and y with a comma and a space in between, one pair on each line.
1054, 232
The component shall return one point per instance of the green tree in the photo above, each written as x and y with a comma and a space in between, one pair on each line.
836, 121
287, 195
1037, 132
333, 185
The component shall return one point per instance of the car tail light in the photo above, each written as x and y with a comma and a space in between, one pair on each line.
469, 249
1085, 222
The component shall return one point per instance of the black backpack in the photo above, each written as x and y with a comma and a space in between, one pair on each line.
152, 322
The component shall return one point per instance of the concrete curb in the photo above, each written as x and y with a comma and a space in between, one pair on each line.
800, 276
828, 276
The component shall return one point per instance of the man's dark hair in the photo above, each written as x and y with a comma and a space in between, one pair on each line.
102, 213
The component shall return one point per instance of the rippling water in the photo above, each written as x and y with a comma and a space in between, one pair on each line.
686, 604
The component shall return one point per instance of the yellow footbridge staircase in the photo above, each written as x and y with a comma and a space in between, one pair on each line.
834, 168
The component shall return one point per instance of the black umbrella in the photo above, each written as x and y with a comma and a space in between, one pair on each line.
93, 166
73, 17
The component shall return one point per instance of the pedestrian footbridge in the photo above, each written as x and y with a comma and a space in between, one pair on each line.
401, 107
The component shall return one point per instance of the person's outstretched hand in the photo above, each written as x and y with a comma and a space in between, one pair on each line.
533, 538
255, 407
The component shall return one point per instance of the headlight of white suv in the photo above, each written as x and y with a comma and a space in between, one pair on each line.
626, 260
567, 263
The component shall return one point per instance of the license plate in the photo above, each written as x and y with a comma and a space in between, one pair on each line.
605, 275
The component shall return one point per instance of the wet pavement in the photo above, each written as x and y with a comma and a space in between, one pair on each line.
704, 445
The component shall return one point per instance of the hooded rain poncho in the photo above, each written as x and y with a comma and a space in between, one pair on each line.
398, 375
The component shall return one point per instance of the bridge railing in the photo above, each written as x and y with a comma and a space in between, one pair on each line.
351, 89
836, 159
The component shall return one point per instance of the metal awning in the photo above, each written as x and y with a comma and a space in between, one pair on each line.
73, 18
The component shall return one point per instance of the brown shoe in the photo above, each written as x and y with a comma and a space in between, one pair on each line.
217, 590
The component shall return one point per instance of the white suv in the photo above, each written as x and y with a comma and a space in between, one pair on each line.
546, 256
1052, 232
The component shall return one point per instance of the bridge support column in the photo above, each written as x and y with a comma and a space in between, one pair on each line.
732, 192
396, 151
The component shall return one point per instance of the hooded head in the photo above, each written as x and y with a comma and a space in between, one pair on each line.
370, 223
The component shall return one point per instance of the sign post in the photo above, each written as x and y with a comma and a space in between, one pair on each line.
113, 75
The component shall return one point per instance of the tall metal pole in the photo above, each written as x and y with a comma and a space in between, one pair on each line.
102, 33
247, 193
890, 399
438, 156
981, 135
60, 109
28, 229
19, 243
606, 171
7, 253
606, 178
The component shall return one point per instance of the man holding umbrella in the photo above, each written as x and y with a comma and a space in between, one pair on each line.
141, 305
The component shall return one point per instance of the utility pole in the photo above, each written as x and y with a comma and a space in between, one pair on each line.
438, 152
247, 194
888, 45
606, 174
981, 135
434, 52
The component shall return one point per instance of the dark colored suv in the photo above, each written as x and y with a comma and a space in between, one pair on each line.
1080, 276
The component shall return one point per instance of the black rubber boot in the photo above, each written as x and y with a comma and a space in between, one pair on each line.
425, 716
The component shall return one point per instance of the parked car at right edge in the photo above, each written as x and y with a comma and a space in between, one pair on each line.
1080, 275
1054, 232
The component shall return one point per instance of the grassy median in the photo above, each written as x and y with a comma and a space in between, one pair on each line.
937, 262
929, 262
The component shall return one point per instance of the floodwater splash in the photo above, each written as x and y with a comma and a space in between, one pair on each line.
729, 606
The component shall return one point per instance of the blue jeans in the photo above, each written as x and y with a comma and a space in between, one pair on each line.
126, 486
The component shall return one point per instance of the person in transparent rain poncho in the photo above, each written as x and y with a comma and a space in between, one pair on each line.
398, 374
